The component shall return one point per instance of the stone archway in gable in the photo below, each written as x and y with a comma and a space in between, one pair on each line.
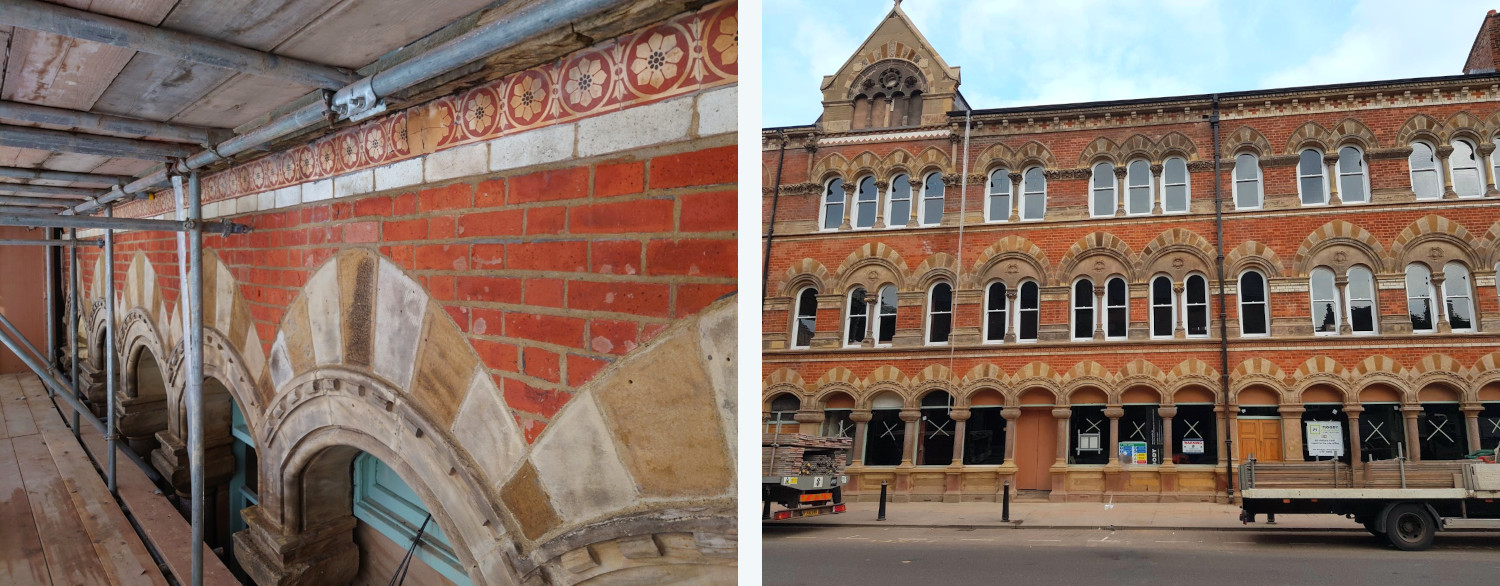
1434, 240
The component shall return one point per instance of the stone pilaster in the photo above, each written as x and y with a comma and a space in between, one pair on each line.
325, 554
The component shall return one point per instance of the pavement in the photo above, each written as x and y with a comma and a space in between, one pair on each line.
1033, 515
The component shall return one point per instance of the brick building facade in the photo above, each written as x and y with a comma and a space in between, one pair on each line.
517, 295
1036, 296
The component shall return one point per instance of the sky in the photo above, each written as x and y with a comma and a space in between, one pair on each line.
1035, 52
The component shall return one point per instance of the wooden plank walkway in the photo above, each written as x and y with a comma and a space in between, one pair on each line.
58, 522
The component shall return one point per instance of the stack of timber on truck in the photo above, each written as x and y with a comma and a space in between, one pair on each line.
803, 473
1405, 502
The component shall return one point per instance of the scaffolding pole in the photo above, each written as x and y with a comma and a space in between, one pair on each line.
49, 301
194, 352
35, 364
73, 298
53, 243
60, 221
111, 439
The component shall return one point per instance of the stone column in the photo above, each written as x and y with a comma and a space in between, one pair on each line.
889, 111
1179, 306
960, 430
1355, 464
1015, 197
909, 447
809, 421
1291, 432
1413, 438
271, 554
1443, 152
1485, 150
1166, 414
1011, 414
1158, 187
1119, 190
871, 300
861, 419
1331, 161
880, 202
1012, 314
1114, 413
1438, 296
1098, 313
916, 200
1471, 423
848, 205
1063, 415
1341, 284
870, 114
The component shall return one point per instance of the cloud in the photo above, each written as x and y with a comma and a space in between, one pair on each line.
1390, 39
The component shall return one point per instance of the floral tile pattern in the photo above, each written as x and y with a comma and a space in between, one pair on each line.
685, 54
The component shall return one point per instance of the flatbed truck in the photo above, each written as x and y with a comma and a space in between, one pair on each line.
804, 474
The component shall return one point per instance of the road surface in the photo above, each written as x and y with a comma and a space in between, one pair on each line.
909, 556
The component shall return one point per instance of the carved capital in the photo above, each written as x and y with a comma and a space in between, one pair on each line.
1114, 412
860, 416
952, 179
1010, 413
1120, 172
1331, 158
1167, 412
910, 415
1062, 413
1156, 168
1444, 151
959, 414
1486, 148
915, 184
1200, 166
849, 188
882, 184
1015, 178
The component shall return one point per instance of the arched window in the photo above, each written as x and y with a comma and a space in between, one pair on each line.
885, 318
898, 213
1195, 306
997, 200
937, 428
1102, 201
939, 313
932, 200
1325, 301
833, 205
1247, 182
783, 414
1116, 309
1457, 297
807, 317
1083, 310
1138, 196
857, 318
1174, 186
866, 199
995, 305
1354, 183
1028, 311
1311, 184
1361, 292
885, 434
1034, 194
1419, 298
1163, 310
1465, 164
1425, 182
1254, 317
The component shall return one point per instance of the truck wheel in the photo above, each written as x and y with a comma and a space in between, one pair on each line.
1410, 528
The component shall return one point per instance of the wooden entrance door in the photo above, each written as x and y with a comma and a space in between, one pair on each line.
1261, 437
1036, 448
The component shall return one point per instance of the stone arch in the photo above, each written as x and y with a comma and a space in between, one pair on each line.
996, 156
879, 263
1440, 369
1419, 127
1489, 247
1117, 258
1486, 370
1035, 375
1246, 139
837, 374
1139, 146
1320, 370
1442, 239
1089, 373
1176, 242
982, 376
939, 266
784, 377
885, 373
1337, 232
1308, 135
141, 398
897, 162
935, 377
1253, 255
804, 273
1100, 149
1255, 371
1141, 373
930, 160
863, 164
1376, 369
1352, 131
829, 167
1021, 259
1176, 144
1462, 124
1034, 153
1192, 372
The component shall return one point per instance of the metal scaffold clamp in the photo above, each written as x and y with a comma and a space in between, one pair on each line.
358, 101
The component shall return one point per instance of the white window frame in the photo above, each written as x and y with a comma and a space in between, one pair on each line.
1478, 167
797, 318
1027, 194
927, 323
880, 317
1322, 175
1208, 318
1468, 295
854, 212
1338, 312
986, 311
991, 193
1187, 186
849, 316
1150, 187
890, 202
1021, 309
923, 218
1374, 300
1431, 296
825, 204
1363, 173
1109, 309
1265, 303
1436, 170
1259, 182
1094, 190
1074, 307
1152, 306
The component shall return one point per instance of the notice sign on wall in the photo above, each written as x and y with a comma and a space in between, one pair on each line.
1133, 453
1325, 438
1192, 446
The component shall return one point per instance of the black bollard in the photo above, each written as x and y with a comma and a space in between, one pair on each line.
881, 515
1005, 504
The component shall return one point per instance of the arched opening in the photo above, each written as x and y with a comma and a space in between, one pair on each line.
838, 408
1195, 427
1381, 428
1088, 431
861, 112
984, 433
1258, 425
783, 414
1142, 432
1489, 418
1442, 434
143, 408
885, 434
937, 428
1323, 408
1036, 440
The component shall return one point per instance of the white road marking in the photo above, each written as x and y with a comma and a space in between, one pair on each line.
1043, 540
